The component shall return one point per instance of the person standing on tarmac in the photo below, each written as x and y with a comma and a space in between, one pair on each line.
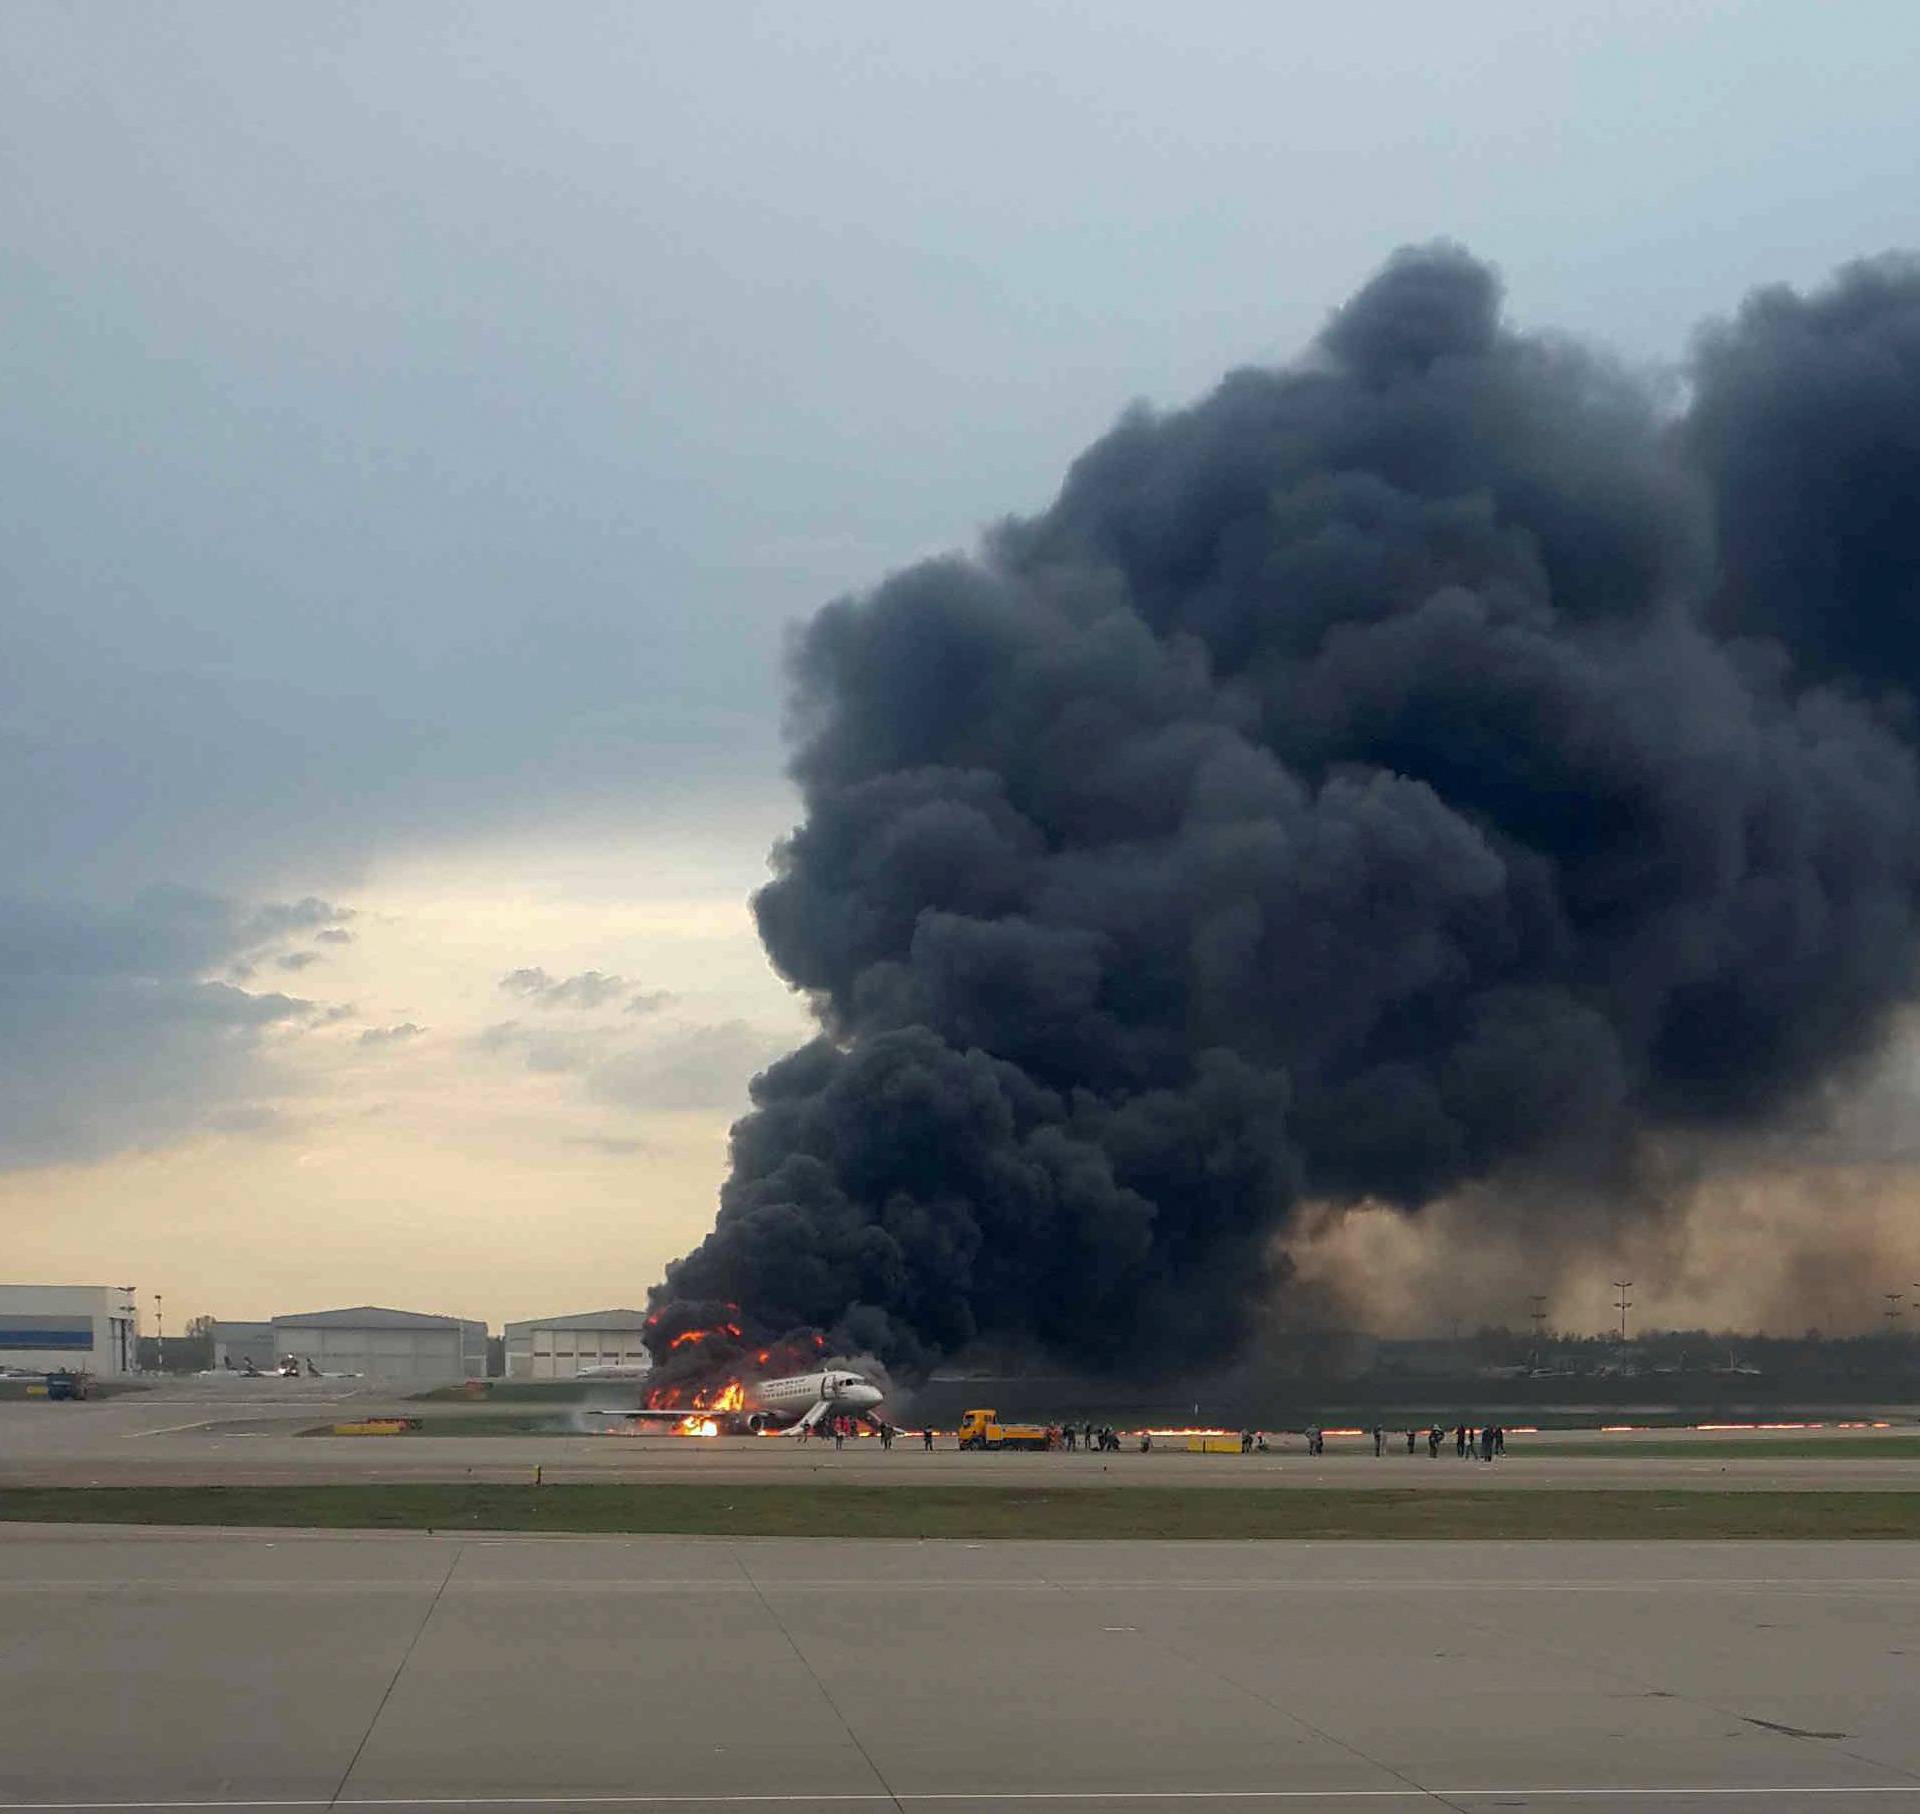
926, 1440
1460, 1441
1379, 1441
1499, 1439
1433, 1442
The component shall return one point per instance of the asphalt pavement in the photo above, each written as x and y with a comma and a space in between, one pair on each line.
234, 1432
242, 1670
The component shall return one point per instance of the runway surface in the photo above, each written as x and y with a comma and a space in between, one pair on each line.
236, 1670
247, 1434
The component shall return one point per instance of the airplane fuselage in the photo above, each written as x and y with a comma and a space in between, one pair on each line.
785, 1401
773, 1404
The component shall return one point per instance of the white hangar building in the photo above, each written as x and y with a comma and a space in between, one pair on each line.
558, 1347
234, 1344
86, 1328
405, 1346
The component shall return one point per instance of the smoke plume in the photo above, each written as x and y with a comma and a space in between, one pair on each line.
1422, 767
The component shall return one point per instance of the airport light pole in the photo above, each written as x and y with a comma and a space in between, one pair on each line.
1538, 1314
1623, 1286
159, 1332
129, 1355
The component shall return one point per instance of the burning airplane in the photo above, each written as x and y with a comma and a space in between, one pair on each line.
722, 1388
1431, 771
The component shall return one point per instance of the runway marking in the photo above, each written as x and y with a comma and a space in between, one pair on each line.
400, 1669
1790, 1588
1011, 1796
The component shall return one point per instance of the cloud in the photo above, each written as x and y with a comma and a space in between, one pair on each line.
686, 1067
545, 1050
697, 1067
334, 935
113, 1034
252, 1118
391, 1036
617, 1145
650, 1001
298, 960
586, 990
281, 919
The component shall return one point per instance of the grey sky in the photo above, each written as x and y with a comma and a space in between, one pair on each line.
421, 422
425, 418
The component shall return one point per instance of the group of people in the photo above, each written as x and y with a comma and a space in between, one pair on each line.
1483, 1443
1487, 1442
840, 1428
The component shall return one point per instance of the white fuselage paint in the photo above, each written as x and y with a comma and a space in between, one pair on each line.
790, 1399
775, 1403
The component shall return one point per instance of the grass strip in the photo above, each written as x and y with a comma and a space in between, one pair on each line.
478, 1423
527, 1392
988, 1512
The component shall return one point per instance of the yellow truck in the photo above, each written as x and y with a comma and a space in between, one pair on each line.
983, 1430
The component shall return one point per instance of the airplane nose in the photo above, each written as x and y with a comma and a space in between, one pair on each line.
864, 1395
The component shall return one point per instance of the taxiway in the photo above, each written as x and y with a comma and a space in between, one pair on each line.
238, 1671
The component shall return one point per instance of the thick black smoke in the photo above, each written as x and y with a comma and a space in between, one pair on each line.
1420, 764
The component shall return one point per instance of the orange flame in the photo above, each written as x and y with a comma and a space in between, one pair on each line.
701, 1421
687, 1337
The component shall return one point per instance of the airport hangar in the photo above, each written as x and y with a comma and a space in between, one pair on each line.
89, 1328
234, 1344
407, 1347
559, 1347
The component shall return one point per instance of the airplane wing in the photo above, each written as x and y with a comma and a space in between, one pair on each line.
628, 1413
